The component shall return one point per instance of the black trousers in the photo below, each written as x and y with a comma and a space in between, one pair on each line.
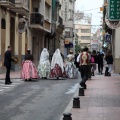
84, 73
7, 78
100, 67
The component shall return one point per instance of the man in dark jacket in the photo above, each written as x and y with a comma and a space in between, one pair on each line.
7, 64
100, 57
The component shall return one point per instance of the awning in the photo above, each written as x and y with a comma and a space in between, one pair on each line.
67, 42
70, 45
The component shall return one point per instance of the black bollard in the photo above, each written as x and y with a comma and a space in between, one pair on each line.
106, 71
67, 116
81, 92
76, 102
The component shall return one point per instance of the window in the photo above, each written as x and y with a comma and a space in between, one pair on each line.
85, 30
67, 34
47, 12
76, 30
70, 14
3, 24
85, 37
35, 9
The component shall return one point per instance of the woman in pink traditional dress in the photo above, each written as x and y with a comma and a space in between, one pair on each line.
29, 70
57, 68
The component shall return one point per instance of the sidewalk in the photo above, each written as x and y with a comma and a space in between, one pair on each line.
101, 100
13, 75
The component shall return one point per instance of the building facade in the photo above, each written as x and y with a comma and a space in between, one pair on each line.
67, 13
84, 33
11, 11
40, 26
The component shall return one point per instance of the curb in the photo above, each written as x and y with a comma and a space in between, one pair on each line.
69, 108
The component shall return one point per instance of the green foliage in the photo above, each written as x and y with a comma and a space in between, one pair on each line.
77, 48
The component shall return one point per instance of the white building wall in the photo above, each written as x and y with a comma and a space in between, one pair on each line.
116, 48
117, 43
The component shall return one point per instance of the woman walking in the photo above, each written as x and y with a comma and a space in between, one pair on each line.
44, 64
109, 60
29, 70
57, 68
71, 70
93, 62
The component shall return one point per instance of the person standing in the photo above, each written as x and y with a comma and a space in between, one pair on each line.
29, 70
44, 64
7, 64
100, 57
109, 60
93, 62
57, 66
84, 63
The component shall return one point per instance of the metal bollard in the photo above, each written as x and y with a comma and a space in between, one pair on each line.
76, 102
81, 92
67, 116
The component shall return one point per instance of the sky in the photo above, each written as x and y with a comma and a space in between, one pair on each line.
91, 7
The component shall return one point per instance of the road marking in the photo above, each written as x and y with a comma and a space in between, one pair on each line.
72, 89
1, 90
6, 87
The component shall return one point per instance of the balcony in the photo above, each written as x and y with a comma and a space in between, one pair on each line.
48, 2
36, 21
7, 3
21, 7
60, 26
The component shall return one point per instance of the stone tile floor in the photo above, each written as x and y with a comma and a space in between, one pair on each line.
13, 75
101, 100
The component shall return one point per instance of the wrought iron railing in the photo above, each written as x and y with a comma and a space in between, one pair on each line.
36, 18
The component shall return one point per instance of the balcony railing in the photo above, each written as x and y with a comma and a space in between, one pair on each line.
36, 18
11, 1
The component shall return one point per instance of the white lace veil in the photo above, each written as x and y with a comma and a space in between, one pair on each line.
44, 55
57, 58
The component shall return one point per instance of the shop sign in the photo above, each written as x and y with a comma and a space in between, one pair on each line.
108, 38
112, 24
67, 42
114, 10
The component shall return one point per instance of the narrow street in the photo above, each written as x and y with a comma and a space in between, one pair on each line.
36, 100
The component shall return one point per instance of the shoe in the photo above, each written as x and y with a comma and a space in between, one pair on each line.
83, 85
57, 78
11, 82
45, 77
7, 83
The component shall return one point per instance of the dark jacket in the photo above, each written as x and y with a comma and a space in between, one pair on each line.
109, 59
7, 59
100, 58
29, 56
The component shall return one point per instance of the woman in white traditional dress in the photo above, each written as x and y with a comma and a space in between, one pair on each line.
71, 70
57, 68
44, 65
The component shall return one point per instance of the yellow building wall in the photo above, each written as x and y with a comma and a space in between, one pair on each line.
0, 30
7, 41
